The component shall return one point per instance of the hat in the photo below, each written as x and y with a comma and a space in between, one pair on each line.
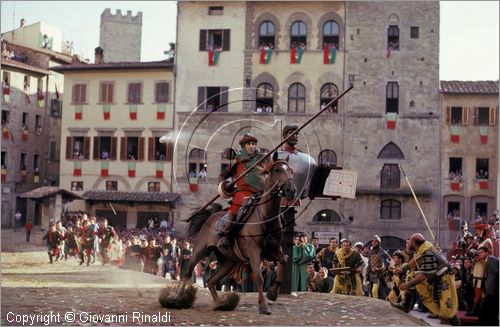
288, 128
247, 137
376, 238
358, 244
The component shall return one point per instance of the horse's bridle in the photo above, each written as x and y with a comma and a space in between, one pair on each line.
279, 190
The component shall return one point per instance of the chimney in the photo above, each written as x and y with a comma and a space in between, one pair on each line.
99, 56
75, 60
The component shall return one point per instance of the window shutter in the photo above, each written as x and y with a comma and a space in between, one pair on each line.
102, 92
493, 116
69, 147
476, 116
110, 93
130, 93
226, 36
140, 149
170, 151
167, 87
201, 98
224, 98
112, 155
83, 93
74, 100
203, 40
96, 148
448, 115
151, 150
139, 93
465, 115
86, 147
123, 148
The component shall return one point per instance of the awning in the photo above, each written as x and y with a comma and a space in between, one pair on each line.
119, 196
48, 191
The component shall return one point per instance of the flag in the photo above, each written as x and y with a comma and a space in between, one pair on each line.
455, 134
77, 168
78, 112
6, 94
106, 111
193, 184
104, 168
326, 54
455, 186
483, 134
483, 184
41, 99
262, 55
333, 54
300, 51
293, 55
131, 169
210, 57
57, 93
391, 120
160, 113
5, 133
269, 53
25, 135
159, 170
133, 111
4, 174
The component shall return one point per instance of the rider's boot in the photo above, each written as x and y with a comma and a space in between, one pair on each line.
224, 232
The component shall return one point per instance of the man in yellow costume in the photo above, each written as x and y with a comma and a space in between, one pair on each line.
349, 283
434, 280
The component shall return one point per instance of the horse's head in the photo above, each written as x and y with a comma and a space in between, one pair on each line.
280, 179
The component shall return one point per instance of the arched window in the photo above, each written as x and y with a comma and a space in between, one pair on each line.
331, 33
297, 98
264, 98
391, 151
266, 33
329, 92
390, 177
393, 38
327, 216
298, 33
197, 163
327, 158
390, 209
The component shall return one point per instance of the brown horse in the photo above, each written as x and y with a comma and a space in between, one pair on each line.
259, 237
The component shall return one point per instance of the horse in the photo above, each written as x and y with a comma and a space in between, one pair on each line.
259, 237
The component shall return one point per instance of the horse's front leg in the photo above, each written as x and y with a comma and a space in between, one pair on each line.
255, 264
198, 254
225, 267
280, 269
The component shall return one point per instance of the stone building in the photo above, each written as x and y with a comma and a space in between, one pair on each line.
120, 36
31, 110
111, 152
387, 50
469, 164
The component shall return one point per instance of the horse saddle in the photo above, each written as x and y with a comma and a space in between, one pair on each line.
244, 212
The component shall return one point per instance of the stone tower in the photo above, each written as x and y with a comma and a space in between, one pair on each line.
120, 36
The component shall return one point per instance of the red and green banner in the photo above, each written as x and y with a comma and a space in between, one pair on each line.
265, 55
4, 174
133, 111
455, 134
41, 100
77, 168
25, 135
391, 120
296, 55
455, 186
106, 111
193, 184
104, 168
131, 169
78, 112
329, 53
159, 170
160, 111
483, 134
5, 133
6, 94
483, 184
213, 57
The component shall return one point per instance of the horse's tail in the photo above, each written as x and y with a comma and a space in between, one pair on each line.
197, 219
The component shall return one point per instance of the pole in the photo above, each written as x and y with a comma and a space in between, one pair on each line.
258, 162
418, 204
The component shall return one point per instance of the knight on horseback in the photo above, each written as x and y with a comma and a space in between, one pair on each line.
251, 184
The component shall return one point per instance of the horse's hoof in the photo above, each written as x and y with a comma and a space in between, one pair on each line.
272, 296
264, 309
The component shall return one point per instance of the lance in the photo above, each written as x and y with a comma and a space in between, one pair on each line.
258, 162
418, 204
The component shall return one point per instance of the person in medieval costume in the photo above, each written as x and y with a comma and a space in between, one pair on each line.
395, 294
53, 238
378, 262
105, 233
483, 234
252, 183
186, 254
434, 280
151, 255
71, 244
345, 257
88, 239
303, 253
